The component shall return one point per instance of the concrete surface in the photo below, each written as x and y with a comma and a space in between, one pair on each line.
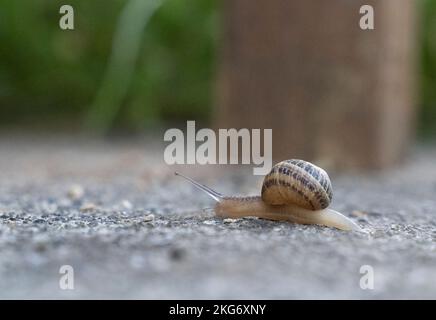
130, 229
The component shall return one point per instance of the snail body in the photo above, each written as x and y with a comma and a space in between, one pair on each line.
294, 190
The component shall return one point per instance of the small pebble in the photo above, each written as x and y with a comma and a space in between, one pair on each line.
76, 192
177, 254
148, 217
230, 220
89, 206
378, 233
127, 204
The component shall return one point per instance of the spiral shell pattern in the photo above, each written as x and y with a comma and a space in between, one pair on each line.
297, 182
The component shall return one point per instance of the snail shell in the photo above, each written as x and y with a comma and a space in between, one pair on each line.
297, 182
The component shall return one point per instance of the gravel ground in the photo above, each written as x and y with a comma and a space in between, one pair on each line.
130, 229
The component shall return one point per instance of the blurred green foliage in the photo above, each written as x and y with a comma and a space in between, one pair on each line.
53, 77
49, 76
428, 69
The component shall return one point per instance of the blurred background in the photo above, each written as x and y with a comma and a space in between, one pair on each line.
427, 92
50, 78
134, 65
83, 181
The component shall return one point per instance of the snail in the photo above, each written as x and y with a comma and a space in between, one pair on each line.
294, 190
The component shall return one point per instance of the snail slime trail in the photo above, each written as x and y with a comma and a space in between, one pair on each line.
228, 139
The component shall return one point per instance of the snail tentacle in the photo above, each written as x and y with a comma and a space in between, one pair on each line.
212, 193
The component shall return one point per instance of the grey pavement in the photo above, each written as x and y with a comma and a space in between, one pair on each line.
131, 229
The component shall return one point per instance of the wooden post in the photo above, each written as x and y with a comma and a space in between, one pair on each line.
330, 91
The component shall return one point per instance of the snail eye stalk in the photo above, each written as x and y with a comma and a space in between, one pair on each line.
212, 193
